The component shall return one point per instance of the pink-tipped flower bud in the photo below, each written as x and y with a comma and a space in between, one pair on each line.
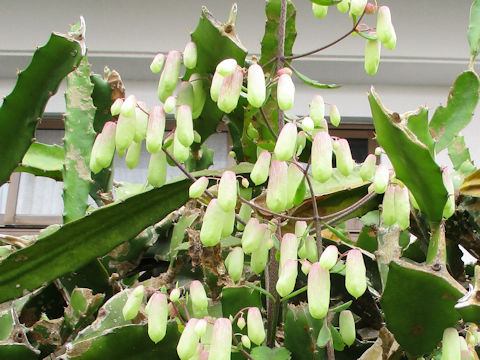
246, 341
180, 151
228, 223
241, 322
255, 328
320, 11
252, 236
261, 169
125, 132
157, 169
216, 85
285, 92
321, 157
175, 295
198, 187
307, 124
343, 6
128, 106
277, 186
318, 291
157, 317
234, 263
188, 342
306, 266
105, 145
211, 232
317, 110
93, 164
372, 56
285, 146
385, 30
221, 340
134, 301
226, 67
309, 250
155, 129
347, 327
367, 170
198, 297
381, 179
133, 154
301, 142
256, 86
300, 228
451, 347
199, 94
287, 278
190, 55
168, 79
116, 107
335, 117
355, 274
259, 257
185, 94
370, 8
344, 157
388, 206
357, 7
201, 327
230, 91
227, 191
141, 122
288, 249
170, 104
329, 257
157, 63
295, 178
449, 208
184, 129
245, 183
402, 207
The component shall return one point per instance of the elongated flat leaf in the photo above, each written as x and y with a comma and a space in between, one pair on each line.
462, 100
459, 154
18, 351
24, 106
314, 83
410, 158
418, 123
265, 353
473, 33
43, 160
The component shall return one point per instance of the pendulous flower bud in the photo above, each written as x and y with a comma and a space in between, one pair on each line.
171, 71
128, 106
252, 236
388, 206
286, 142
300, 228
228, 223
170, 104
381, 178
221, 340
318, 291
190, 55
230, 91
357, 7
277, 186
157, 169
451, 345
155, 129
385, 30
309, 249
321, 157
285, 91
245, 213
157, 63
175, 295
198, 297
201, 327
259, 257
295, 178
188, 342
199, 94
241, 322
402, 207
343, 6
227, 191
320, 11
141, 122
255, 328
157, 317
226, 67
329, 257
185, 94
180, 152
246, 341
355, 274
288, 249
133, 303
105, 145
287, 278
133, 154
216, 85
125, 132
211, 232
347, 327
317, 110
234, 263
449, 208
344, 157
335, 117
256, 85
307, 124
261, 169
301, 142
184, 129
198, 187
116, 107
306, 266
367, 170
372, 56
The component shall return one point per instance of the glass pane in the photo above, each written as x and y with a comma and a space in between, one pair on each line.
359, 149
3, 198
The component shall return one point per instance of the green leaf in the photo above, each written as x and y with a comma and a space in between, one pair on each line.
6, 324
270, 41
18, 351
23, 107
473, 33
237, 298
326, 2
462, 100
43, 160
418, 124
341, 307
461, 160
409, 157
265, 353
338, 343
324, 336
179, 233
313, 83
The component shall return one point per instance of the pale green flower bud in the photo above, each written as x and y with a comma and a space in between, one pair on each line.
307, 124
402, 207
355, 274
320, 11
286, 142
175, 295
347, 327
367, 170
246, 341
329, 257
285, 92
306, 266
245, 213
451, 345
201, 327
295, 178
133, 154
261, 169
378, 151
198, 297
385, 30
128, 106
381, 179
226, 67
184, 129
372, 56
199, 94
157, 169
221, 340
309, 250
230, 91
141, 122
155, 129
241, 322
335, 117
245, 183
277, 186
318, 291
259, 257
288, 250
180, 152
157, 63
357, 7
185, 94
157, 317
252, 236
171, 72
343, 6
227, 191
104, 146
116, 107
234, 263
256, 86
228, 223
190, 55
344, 157
287, 278
170, 104
134, 301
388, 206
301, 142
188, 342
211, 232
216, 85
198, 187
300, 228
321, 157
255, 328
125, 132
